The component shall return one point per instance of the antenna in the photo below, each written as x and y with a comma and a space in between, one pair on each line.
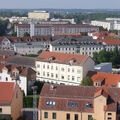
34, 88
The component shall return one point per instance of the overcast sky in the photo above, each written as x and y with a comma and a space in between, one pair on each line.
83, 4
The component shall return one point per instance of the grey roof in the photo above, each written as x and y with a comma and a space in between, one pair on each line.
7, 52
69, 41
23, 61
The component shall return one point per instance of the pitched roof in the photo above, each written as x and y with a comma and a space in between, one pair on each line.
6, 92
63, 58
63, 94
109, 78
110, 41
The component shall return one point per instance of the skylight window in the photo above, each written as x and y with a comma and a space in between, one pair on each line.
51, 103
72, 104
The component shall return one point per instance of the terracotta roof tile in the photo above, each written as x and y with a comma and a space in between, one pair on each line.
6, 92
63, 58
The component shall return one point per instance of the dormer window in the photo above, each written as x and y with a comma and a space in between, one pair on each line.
88, 105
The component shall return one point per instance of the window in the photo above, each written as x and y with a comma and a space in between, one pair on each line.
109, 113
68, 77
38, 66
56, 68
72, 70
48, 67
62, 69
109, 118
68, 69
47, 74
62, 77
88, 105
89, 117
68, 116
76, 117
52, 75
45, 114
6, 79
113, 85
73, 78
51, 67
38, 73
51, 103
72, 104
0, 110
56, 75
43, 73
54, 115
78, 78
43, 66
0, 77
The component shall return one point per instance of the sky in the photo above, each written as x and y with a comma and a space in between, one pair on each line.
79, 4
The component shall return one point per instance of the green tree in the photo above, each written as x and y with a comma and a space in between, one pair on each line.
87, 81
26, 34
14, 34
39, 52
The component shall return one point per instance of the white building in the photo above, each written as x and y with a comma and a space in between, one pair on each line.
22, 75
105, 24
84, 45
72, 21
42, 15
62, 68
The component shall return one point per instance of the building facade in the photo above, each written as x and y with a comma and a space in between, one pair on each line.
25, 45
62, 102
11, 100
38, 29
62, 68
84, 45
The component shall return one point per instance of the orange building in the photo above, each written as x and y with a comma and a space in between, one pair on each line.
60, 102
10, 100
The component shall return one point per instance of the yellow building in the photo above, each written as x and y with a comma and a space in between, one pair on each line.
60, 102
10, 100
42, 15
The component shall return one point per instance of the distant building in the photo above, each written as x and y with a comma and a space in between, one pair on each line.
105, 24
103, 67
24, 76
110, 43
71, 21
62, 68
82, 45
25, 45
62, 102
11, 100
42, 15
39, 29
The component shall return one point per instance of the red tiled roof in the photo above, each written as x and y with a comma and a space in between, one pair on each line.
63, 94
63, 58
110, 78
6, 92
110, 41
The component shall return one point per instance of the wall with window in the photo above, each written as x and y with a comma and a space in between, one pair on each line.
5, 109
59, 73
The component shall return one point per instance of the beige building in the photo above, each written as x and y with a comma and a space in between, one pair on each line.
62, 68
10, 100
42, 15
62, 102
